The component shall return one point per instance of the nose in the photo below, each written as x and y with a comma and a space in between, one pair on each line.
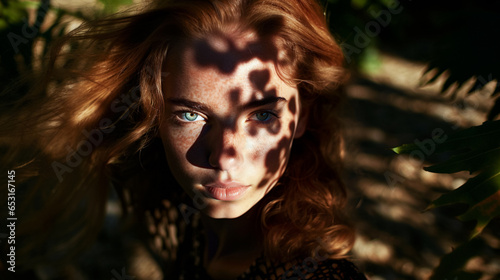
225, 149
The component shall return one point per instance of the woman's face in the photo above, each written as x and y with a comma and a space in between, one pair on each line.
230, 122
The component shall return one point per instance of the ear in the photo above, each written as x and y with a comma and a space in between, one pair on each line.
302, 123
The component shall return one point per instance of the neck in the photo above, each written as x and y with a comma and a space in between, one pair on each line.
232, 243
228, 236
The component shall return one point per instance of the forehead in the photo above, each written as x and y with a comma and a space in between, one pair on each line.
240, 65
225, 52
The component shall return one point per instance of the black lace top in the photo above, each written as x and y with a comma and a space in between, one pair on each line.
301, 269
304, 269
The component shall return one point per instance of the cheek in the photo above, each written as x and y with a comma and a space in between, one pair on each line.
277, 157
272, 152
178, 141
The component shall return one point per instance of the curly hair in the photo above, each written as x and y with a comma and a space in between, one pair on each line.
91, 121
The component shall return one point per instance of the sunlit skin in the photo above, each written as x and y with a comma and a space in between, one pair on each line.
229, 126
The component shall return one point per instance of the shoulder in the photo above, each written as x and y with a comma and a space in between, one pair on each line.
308, 268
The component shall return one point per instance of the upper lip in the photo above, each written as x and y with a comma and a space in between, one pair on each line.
225, 185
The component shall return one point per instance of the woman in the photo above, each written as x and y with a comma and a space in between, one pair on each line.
213, 120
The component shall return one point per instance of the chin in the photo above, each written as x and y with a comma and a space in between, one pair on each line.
226, 209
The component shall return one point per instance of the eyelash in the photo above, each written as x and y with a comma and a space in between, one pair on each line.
272, 116
184, 115
179, 116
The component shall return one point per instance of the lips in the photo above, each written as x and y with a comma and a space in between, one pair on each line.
226, 191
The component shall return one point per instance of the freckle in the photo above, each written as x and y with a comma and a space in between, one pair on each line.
185, 140
255, 156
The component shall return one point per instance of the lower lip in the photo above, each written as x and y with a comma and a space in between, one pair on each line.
226, 194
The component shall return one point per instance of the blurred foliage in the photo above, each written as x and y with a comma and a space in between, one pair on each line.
451, 264
457, 39
467, 48
112, 6
477, 150
13, 18
19, 34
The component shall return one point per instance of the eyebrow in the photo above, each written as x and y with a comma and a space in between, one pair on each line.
262, 102
187, 103
247, 106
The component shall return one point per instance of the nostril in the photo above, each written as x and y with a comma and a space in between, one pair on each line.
230, 152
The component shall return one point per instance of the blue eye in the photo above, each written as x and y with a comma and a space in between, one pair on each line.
191, 117
263, 116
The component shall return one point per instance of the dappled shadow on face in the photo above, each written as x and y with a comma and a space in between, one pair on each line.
199, 153
223, 54
235, 95
292, 106
259, 79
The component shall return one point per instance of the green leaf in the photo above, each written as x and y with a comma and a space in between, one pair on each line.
477, 150
483, 212
481, 193
405, 149
477, 137
451, 264
473, 137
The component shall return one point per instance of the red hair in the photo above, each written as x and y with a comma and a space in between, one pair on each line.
101, 105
